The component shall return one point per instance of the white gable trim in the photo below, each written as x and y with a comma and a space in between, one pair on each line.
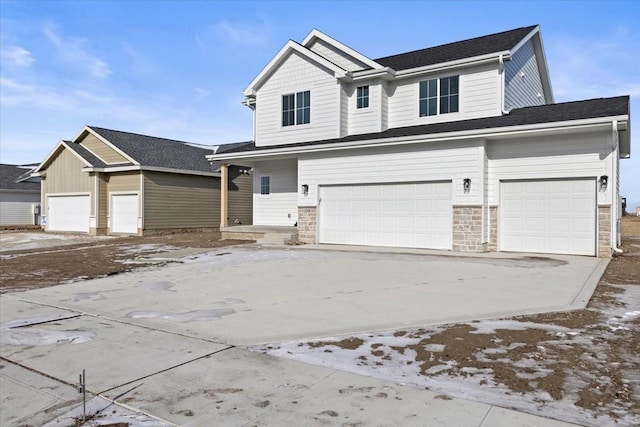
56, 150
289, 48
316, 34
541, 61
110, 145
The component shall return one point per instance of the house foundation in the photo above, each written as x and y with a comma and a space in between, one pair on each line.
307, 222
604, 231
467, 229
492, 245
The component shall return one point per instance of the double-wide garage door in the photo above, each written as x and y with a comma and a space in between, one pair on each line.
412, 215
548, 216
68, 213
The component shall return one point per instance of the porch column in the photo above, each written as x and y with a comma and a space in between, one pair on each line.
224, 194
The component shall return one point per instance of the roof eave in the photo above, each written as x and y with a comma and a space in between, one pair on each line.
465, 62
150, 169
60, 145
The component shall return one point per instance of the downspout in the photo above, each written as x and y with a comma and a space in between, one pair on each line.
614, 169
503, 85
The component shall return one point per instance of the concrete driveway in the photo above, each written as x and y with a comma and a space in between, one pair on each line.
173, 333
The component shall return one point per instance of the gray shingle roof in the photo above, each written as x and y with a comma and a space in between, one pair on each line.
159, 152
566, 111
9, 176
459, 50
85, 154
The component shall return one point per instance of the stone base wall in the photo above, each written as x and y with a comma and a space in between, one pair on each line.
307, 221
467, 229
604, 231
493, 229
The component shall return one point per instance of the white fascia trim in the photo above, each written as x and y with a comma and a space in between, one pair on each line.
523, 130
525, 39
150, 169
110, 145
335, 43
385, 73
55, 151
476, 60
280, 56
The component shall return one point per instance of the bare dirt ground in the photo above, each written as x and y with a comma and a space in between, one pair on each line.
60, 262
581, 366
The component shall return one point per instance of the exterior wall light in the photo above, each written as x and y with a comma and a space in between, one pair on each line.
305, 189
466, 184
604, 179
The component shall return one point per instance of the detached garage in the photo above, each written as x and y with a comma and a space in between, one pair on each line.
111, 182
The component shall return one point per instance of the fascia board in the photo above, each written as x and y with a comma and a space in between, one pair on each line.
523, 130
340, 46
281, 55
56, 149
543, 68
150, 169
110, 145
476, 60
525, 39
385, 73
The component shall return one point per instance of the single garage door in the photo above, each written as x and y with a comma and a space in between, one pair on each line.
124, 213
68, 213
548, 216
411, 215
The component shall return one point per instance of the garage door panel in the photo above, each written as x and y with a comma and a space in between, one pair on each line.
124, 213
548, 216
406, 215
68, 213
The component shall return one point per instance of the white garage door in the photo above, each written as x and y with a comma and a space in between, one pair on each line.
68, 213
124, 213
411, 215
551, 216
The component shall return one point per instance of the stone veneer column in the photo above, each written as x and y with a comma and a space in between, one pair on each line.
467, 229
307, 222
493, 229
604, 231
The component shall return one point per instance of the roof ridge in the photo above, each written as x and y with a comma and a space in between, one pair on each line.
97, 128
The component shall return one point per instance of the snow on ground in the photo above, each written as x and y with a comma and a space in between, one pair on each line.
18, 332
23, 241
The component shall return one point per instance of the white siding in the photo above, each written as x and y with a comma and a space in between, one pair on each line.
16, 208
522, 90
338, 57
297, 74
384, 106
562, 156
344, 110
417, 163
281, 206
365, 120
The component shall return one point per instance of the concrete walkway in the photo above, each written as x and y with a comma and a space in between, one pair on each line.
166, 342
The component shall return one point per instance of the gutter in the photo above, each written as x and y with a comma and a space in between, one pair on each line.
502, 84
150, 169
614, 168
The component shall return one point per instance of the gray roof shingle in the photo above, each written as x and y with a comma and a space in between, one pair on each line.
159, 152
458, 50
85, 154
10, 175
566, 111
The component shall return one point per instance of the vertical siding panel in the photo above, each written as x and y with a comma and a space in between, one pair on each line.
64, 175
102, 150
522, 91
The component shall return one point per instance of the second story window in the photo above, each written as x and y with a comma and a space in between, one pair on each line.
265, 185
439, 96
362, 97
296, 108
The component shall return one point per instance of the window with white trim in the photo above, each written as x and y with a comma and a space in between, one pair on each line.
296, 108
439, 96
265, 185
362, 97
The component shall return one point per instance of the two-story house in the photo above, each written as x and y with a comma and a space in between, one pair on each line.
456, 147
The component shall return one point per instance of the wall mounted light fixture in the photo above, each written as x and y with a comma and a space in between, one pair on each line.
305, 189
466, 184
604, 180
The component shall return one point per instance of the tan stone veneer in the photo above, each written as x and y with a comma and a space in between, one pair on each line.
467, 229
493, 229
307, 221
604, 231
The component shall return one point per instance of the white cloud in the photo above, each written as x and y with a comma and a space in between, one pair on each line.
256, 34
17, 56
201, 93
73, 51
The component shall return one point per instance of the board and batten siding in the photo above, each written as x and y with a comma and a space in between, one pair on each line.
16, 207
240, 197
364, 120
297, 74
585, 155
338, 57
64, 175
479, 97
102, 150
173, 201
522, 79
280, 207
415, 163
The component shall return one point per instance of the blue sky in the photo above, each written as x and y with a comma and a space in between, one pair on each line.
176, 69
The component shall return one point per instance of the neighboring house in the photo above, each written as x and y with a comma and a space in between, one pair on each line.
109, 182
19, 195
457, 147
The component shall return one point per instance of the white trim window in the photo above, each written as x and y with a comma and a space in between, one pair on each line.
296, 108
265, 185
362, 97
439, 96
